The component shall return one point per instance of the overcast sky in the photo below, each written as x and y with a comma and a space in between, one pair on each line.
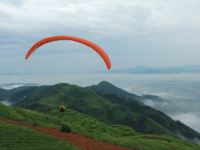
133, 33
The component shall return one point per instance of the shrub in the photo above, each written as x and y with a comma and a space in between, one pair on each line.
65, 128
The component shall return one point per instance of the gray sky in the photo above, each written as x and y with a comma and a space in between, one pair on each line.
133, 32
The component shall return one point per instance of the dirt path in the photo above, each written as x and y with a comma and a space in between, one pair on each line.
83, 142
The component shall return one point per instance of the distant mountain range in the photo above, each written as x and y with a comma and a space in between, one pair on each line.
159, 70
104, 102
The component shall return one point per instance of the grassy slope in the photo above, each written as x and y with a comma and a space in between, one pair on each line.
112, 105
90, 103
107, 108
121, 134
21, 138
86, 125
129, 100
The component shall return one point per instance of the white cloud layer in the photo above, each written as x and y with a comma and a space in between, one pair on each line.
190, 119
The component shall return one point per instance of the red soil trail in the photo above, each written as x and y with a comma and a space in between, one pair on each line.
83, 142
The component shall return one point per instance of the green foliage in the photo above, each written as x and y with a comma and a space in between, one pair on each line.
21, 138
89, 126
65, 128
99, 117
31, 117
85, 125
92, 104
108, 104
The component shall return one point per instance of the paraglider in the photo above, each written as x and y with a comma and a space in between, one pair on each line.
90, 44
62, 108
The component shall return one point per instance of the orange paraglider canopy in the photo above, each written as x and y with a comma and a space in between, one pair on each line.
90, 44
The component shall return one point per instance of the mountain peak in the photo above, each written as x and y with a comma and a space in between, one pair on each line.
105, 83
106, 87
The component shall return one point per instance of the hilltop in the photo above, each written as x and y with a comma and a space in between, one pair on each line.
104, 102
79, 124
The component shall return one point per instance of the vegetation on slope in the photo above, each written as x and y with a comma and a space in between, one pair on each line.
20, 138
121, 108
85, 125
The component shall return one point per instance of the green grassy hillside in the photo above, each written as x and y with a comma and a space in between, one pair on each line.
90, 103
107, 107
85, 125
119, 134
21, 138
78, 122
